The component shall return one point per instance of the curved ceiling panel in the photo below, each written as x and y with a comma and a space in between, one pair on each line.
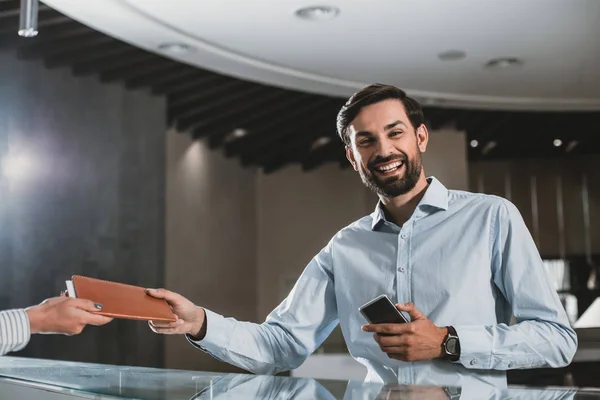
554, 42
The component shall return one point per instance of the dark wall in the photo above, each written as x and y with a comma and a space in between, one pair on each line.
84, 196
542, 182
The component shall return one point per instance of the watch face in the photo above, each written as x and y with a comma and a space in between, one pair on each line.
451, 345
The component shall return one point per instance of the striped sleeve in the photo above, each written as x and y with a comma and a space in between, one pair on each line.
14, 330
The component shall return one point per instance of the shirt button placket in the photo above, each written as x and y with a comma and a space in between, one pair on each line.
403, 287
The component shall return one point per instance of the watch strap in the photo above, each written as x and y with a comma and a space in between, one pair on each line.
451, 335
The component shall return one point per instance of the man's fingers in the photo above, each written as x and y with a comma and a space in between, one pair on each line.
164, 324
169, 296
393, 340
164, 331
390, 329
413, 311
394, 349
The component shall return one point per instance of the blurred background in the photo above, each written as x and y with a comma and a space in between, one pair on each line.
191, 145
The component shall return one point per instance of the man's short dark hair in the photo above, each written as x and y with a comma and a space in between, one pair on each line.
372, 94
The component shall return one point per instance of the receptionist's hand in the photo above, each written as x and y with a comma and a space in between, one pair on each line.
190, 318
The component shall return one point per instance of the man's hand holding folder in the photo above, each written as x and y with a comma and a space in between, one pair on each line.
190, 317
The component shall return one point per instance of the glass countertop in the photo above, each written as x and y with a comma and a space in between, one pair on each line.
46, 379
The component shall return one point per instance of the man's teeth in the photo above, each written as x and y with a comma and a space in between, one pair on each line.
390, 167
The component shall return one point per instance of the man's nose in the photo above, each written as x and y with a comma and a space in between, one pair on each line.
385, 147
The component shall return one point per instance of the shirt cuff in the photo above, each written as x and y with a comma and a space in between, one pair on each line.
219, 331
475, 346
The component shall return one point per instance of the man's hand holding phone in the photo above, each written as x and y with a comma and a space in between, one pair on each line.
417, 340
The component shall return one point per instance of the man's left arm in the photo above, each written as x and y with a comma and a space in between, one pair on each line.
542, 336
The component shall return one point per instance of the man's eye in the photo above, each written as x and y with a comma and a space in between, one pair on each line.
365, 142
396, 133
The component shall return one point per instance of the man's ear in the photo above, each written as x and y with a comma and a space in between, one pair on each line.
422, 137
350, 157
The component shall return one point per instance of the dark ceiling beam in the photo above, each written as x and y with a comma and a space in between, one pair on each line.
8, 11
150, 75
111, 62
138, 68
502, 128
257, 112
12, 26
321, 155
242, 115
303, 133
203, 96
39, 47
278, 124
172, 84
62, 31
223, 102
480, 120
220, 129
81, 55
440, 118
488, 131
464, 119
234, 112
8, 6
295, 140
193, 94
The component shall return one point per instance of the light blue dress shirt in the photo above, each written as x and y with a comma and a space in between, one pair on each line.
463, 259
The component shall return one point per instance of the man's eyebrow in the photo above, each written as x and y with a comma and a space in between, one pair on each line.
387, 128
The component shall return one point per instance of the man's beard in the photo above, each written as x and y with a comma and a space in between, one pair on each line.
394, 185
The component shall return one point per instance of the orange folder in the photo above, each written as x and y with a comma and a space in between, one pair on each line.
120, 300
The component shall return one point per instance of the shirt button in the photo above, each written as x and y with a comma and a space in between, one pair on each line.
473, 362
404, 236
402, 269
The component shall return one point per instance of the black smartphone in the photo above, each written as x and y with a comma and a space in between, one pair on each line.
381, 310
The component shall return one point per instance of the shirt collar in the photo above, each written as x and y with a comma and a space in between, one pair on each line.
436, 197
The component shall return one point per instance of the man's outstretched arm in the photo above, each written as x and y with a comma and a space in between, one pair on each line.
290, 333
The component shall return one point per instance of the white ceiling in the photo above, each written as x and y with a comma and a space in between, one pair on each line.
389, 41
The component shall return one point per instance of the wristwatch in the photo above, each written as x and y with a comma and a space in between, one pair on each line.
451, 345
453, 393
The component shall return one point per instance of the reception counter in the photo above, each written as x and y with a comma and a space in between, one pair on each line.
22, 378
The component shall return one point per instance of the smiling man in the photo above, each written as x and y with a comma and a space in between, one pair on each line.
459, 264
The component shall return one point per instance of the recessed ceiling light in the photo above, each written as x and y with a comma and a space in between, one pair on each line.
178, 48
557, 143
238, 133
320, 142
572, 144
488, 147
474, 143
504, 62
235, 134
452, 55
318, 13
